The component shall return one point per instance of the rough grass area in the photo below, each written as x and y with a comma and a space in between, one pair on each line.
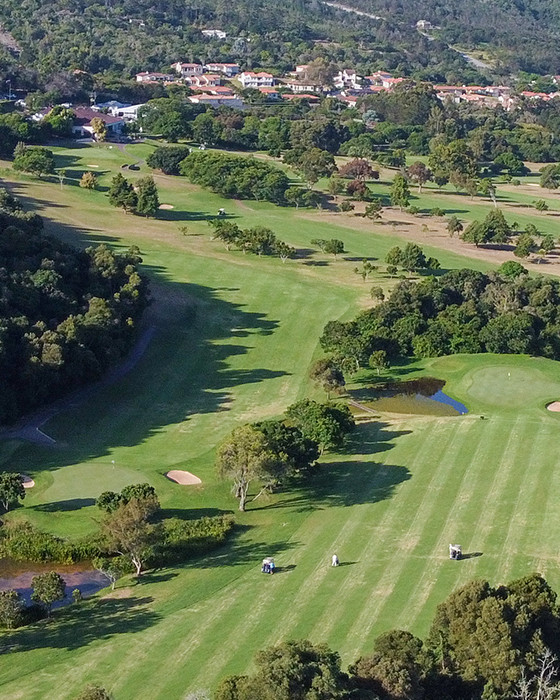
234, 339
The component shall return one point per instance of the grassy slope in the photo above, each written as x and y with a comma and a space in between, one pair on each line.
225, 353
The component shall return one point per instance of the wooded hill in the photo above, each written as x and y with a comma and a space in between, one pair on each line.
120, 38
521, 34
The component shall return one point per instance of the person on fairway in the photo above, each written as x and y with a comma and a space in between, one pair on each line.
334, 561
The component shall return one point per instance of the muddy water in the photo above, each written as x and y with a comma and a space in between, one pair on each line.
418, 396
17, 575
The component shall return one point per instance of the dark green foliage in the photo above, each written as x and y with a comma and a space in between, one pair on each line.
122, 194
23, 542
48, 589
258, 240
11, 489
170, 118
400, 192
235, 176
327, 424
168, 158
147, 200
94, 692
295, 670
293, 453
11, 608
460, 311
66, 315
512, 269
33, 159
109, 501
180, 539
411, 258
494, 229
396, 669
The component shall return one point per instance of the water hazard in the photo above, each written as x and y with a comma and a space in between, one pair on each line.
17, 575
417, 396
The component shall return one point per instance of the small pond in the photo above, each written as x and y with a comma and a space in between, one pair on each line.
17, 575
418, 396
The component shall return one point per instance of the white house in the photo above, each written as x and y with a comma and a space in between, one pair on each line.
303, 86
147, 77
204, 80
228, 69
187, 70
423, 25
120, 109
217, 100
214, 33
256, 80
347, 78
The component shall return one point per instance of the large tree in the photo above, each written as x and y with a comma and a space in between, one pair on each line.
327, 424
33, 159
147, 200
48, 589
400, 192
128, 531
11, 607
11, 489
242, 458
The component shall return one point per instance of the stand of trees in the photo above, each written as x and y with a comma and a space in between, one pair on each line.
66, 315
462, 311
235, 176
274, 453
258, 239
485, 642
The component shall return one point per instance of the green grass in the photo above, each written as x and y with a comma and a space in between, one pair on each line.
234, 339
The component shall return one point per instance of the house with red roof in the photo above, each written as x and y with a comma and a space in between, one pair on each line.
83, 116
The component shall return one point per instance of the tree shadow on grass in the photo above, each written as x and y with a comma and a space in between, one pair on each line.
80, 625
58, 506
352, 481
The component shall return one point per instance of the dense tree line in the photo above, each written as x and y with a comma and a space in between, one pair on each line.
66, 315
485, 643
235, 176
462, 311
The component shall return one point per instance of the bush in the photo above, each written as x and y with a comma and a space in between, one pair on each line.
346, 206
23, 542
183, 538
413, 210
168, 158
437, 211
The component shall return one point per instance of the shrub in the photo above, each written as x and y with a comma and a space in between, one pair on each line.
346, 206
23, 542
181, 538
437, 211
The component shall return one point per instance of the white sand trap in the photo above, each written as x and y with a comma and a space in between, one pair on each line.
554, 407
90, 165
183, 478
28, 482
166, 206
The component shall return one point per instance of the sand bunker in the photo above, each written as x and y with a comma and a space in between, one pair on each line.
91, 165
28, 482
183, 478
166, 206
554, 407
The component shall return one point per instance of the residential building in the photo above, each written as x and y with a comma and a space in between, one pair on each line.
217, 100
228, 69
188, 70
303, 86
256, 80
147, 77
82, 122
214, 33
205, 80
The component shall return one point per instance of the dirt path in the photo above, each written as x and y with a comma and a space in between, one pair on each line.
29, 427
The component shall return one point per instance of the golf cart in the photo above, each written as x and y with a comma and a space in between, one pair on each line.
455, 551
268, 565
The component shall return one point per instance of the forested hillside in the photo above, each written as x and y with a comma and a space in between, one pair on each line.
120, 38
521, 34
65, 315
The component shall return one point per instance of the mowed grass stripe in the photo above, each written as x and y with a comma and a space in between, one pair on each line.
385, 569
442, 525
362, 573
516, 518
252, 593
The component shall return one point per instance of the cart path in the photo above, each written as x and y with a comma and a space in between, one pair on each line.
29, 427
